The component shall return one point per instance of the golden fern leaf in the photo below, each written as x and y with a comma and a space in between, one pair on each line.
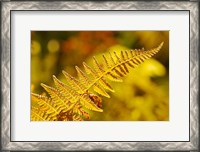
111, 76
44, 103
47, 110
59, 99
74, 96
114, 69
37, 115
68, 100
74, 83
76, 114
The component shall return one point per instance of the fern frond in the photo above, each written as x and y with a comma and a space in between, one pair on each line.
38, 115
67, 100
44, 103
57, 97
74, 83
66, 91
114, 68
73, 96
46, 107
102, 82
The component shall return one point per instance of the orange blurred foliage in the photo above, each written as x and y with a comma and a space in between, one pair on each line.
85, 43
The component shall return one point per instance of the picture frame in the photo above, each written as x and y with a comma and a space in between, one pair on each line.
8, 8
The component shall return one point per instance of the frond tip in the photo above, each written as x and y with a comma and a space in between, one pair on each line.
67, 101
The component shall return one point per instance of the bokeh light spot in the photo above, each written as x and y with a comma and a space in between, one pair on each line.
53, 46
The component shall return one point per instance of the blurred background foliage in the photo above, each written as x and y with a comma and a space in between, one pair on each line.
144, 94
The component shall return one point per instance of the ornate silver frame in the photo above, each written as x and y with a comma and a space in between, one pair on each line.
8, 6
